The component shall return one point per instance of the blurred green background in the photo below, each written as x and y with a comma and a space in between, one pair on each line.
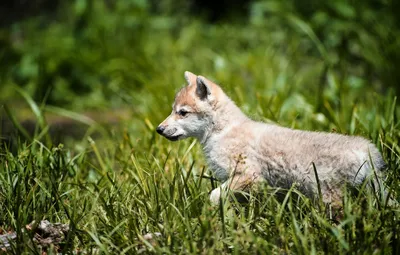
99, 75
128, 56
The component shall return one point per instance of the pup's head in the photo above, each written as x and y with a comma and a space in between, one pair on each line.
193, 110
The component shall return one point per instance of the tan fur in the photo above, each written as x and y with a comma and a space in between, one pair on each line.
243, 152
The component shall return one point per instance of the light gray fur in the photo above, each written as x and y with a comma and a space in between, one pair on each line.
241, 151
284, 156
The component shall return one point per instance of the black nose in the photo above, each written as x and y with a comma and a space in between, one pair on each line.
160, 129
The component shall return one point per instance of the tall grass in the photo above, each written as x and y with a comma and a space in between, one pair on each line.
118, 183
114, 189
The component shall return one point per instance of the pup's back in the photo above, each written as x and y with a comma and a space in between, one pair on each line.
336, 158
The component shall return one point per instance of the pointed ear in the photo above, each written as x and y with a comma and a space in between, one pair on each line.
190, 77
203, 89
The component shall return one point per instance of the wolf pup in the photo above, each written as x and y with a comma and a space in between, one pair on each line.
243, 152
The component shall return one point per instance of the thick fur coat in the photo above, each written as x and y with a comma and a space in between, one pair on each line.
242, 152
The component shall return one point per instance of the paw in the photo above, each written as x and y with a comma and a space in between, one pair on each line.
215, 196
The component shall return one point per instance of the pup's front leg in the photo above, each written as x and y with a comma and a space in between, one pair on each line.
216, 193
238, 182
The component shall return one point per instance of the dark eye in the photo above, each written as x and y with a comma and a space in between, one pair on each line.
183, 113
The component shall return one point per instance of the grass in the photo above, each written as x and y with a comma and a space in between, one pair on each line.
117, 183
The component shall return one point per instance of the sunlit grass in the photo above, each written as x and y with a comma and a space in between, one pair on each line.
115, 184
129, 182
